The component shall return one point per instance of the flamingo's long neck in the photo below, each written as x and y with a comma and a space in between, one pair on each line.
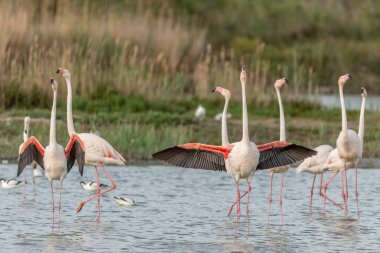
52, 139
282, 117
70, 122
25, 134
343, 106
225, 140
361, 120
245, 114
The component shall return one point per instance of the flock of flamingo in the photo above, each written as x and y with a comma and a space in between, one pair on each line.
240, 159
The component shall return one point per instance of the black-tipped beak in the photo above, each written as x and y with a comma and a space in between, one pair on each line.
58, 71
213, 90
51, 80
243, 68
349, 76
286, 81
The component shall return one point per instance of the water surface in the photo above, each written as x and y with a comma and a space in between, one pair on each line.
185, 210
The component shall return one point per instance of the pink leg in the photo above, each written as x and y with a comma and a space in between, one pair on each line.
237, 201
325, 189
270, 197
52, 197
282, 187
249, 191
320, 186
59, 204
98, 191
343, 192
113, 187
356, 187
312, 191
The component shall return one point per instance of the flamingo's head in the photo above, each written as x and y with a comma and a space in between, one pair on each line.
243, 75
26, 124
343, 79
63, 72
54, 84
281, 82
226, 93
364, 92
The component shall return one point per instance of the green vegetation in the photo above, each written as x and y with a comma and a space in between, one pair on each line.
140, 68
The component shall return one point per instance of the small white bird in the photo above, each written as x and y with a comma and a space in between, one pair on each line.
91, 186
11, 183
219, 116
124, 201
200, 112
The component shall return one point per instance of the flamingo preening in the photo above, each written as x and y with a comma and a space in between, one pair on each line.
98, 150
316, 165
283, 169
350, 145
54, 159
241, 159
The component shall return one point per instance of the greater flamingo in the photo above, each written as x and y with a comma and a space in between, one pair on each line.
98, 150
25, 135
283, 169
316, 165
227, 96
240, 159
338, 164
54, 159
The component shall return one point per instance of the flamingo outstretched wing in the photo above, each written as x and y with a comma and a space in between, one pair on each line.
195, 155
75, 150
281, 153
31, 150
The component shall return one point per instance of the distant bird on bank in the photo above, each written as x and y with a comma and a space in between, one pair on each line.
98, 151
241, 159
11, 183
54, 159
124, 201
91, 186
219, 116
200, 112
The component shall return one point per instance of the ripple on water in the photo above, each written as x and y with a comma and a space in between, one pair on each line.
184, 210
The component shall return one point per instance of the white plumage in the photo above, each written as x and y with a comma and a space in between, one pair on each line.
200, 112
91, 186
124, 201
316, 164
11, 183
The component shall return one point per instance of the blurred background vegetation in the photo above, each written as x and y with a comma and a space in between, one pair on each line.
142, 67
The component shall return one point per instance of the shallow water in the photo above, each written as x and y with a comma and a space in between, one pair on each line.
352, 102
185, 210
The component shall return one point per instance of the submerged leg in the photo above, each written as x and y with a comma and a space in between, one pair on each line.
356, 187
52, 198
60, 198
325, 190
312, 191
343, 192
249, 191
238, 197
113, 187
98, 191
270, 196
282, 186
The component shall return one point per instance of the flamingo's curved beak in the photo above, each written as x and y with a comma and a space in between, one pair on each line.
51, 81
213, 90
286, 81
349, 76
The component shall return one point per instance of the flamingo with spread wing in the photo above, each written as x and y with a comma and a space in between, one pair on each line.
54, 159
241, 159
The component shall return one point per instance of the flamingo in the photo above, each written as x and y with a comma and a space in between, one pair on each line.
25, 134
227, 96
283, 169
335, 162
316, 165
241, 159
54, 159
98, 150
